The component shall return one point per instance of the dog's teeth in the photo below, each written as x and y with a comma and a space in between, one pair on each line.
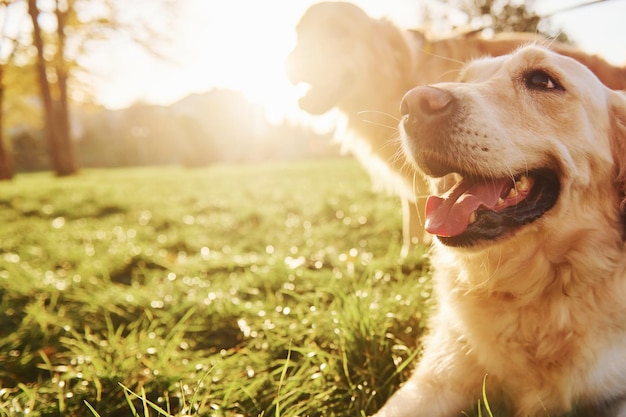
500, 201
472, 217
512, 193
523, 184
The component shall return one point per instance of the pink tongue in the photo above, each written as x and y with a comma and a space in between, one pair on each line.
448, 215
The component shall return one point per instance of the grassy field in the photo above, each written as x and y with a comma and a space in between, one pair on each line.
256, 290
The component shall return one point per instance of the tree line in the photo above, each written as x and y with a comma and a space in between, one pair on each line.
201, 129
42, 41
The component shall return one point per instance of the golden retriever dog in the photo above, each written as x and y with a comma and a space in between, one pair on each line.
363, 67
529, 254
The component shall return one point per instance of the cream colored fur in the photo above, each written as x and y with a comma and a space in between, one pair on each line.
541, 314
363, 67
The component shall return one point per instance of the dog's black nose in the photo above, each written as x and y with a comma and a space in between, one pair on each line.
426, 101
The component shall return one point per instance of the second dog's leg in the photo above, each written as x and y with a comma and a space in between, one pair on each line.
412, 226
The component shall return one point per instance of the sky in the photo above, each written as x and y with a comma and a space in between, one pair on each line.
242, 45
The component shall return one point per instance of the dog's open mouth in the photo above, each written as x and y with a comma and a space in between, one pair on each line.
475, 210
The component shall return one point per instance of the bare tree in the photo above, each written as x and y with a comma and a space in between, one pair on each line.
54, 68
56, 113
6, 160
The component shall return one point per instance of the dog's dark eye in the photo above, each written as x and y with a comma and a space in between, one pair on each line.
541, 80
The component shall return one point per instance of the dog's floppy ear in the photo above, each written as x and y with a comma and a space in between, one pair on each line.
618, 143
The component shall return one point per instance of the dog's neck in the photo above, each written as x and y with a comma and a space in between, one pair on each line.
549, 265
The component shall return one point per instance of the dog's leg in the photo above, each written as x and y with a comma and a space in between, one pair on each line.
412, 226
446, 381
416, 400
407, 238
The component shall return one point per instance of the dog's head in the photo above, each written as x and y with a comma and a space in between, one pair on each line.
535, 143
339, 53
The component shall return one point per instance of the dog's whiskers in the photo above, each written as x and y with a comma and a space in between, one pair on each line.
395, 119
445, 58
452, 71
373, 123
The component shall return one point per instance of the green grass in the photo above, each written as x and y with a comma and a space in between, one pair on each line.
252, 290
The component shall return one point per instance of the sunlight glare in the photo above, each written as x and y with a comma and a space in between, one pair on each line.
245, 49
238, 45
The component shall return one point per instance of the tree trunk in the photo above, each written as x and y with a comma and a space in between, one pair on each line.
60, 146
6, 166
65, 141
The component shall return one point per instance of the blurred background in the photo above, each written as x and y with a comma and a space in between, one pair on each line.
109, 83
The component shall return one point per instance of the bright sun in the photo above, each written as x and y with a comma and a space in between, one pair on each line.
236, 44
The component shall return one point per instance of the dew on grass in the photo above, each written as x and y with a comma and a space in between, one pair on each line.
292, 221
244, 327
89, 249
80, 360
211, 296
13, 258
58, 222
294, 263
144, 217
